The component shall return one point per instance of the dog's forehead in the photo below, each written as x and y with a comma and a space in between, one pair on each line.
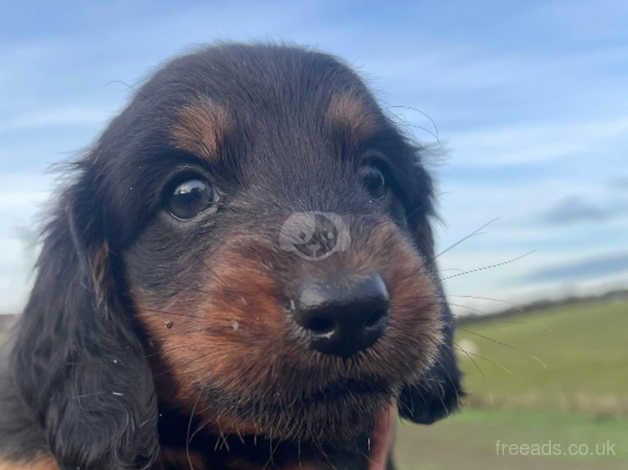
209, 96
201, 125
257, 117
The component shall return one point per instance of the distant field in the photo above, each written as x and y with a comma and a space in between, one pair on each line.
571, 358
559, 375
468, 441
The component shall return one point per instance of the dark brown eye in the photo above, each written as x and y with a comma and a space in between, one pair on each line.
189, 198
374, 181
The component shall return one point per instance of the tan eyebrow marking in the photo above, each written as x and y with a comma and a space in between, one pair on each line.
348, 111
40, 463
200, 128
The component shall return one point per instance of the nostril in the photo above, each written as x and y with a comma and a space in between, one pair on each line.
320, 325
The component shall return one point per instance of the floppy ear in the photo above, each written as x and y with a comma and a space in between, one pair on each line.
439, 391
77, 360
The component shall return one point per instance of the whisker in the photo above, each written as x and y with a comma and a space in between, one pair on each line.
470, 357
475, 297
506, 345
477, 231
490, 266
479, 356
466, 307
188, 433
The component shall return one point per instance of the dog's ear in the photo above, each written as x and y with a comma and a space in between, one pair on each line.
439, 391
77, 360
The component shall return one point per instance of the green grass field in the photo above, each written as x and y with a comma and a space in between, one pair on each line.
558, 376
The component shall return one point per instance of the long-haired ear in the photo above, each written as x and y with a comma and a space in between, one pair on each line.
77, 360
439, 391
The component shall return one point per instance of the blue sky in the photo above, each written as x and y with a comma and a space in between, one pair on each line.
526, 102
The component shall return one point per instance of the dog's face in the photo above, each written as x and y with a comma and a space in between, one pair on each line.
267, 229
289, 184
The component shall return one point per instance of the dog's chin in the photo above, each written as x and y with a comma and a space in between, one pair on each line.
336, 416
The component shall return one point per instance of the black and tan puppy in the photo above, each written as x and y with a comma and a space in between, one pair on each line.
240, 274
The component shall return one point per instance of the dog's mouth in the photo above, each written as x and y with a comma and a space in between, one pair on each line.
348, 389
337, 406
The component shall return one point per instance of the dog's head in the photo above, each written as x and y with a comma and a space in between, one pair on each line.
249, 242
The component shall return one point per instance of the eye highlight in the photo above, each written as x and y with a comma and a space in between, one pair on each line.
189, 197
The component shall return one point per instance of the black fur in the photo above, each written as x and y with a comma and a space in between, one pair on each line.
77, 383
78, 363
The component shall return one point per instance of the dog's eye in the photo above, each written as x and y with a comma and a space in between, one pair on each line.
374, 181
189, 198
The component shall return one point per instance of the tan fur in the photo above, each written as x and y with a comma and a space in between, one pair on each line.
349, 112
235, 333
100, 268
201, 339
200, 128
44, 463
179, 458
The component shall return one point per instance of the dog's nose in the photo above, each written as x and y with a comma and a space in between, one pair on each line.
342, 318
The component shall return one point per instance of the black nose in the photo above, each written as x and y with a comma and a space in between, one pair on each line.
342, 318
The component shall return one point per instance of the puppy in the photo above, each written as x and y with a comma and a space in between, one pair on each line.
240, 274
